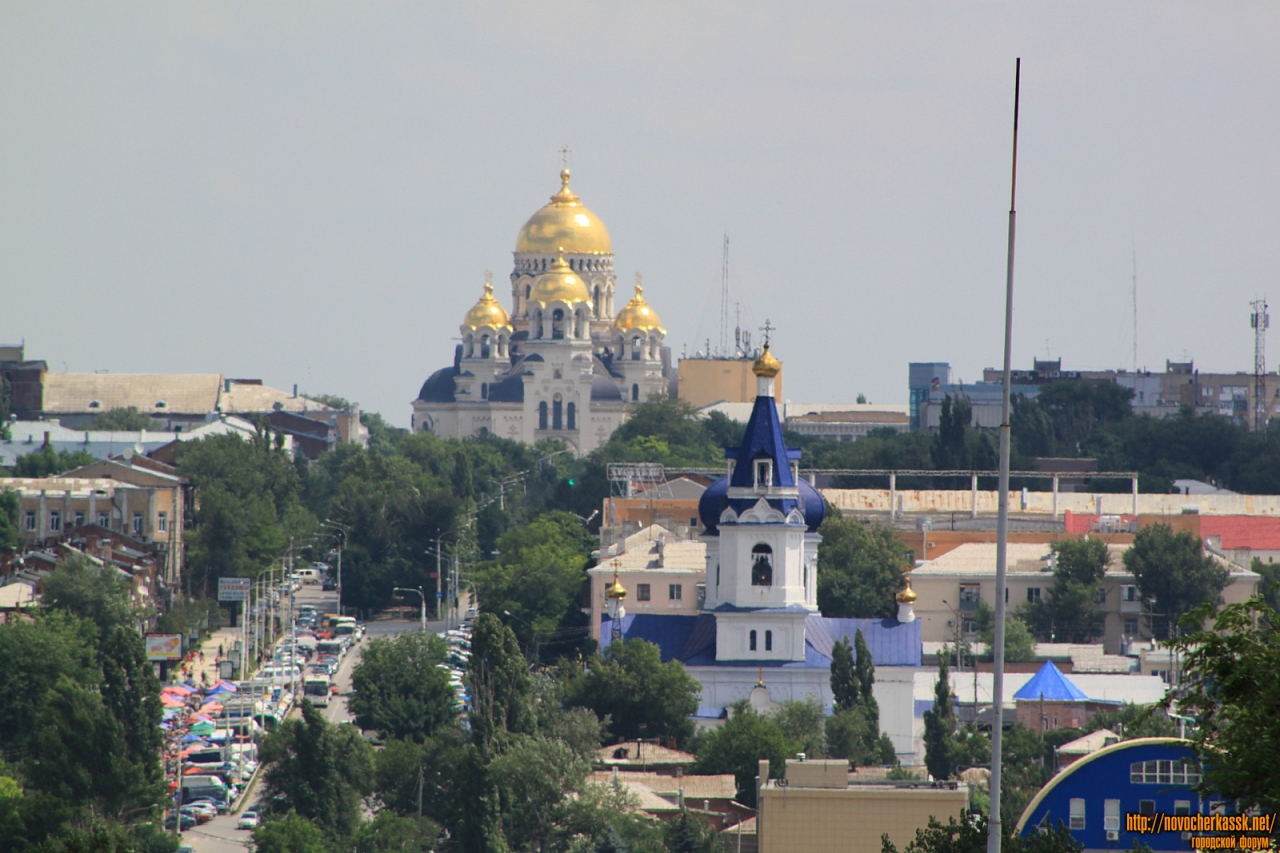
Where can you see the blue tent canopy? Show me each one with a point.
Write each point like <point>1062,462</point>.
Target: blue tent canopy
<point>1049,683</point>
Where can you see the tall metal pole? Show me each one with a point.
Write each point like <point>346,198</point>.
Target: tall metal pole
<point>994,828</point>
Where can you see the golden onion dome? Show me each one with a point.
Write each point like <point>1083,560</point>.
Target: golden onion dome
<point>637,315</point>
<point>616,591</point>
<point>559,284</point>
<point>908,595</point>
<point>766,365</point>
<point>565,225</point>
<point>487,312</point>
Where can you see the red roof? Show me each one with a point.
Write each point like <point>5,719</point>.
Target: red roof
<point>1259,533</point>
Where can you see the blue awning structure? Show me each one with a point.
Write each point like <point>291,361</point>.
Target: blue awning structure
<point>1051,684</point>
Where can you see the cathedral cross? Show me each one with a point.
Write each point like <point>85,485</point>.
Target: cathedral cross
<point>767,328</point>
<point>564,156</point>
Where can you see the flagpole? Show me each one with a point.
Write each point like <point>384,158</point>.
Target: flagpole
<point>1002,523</point>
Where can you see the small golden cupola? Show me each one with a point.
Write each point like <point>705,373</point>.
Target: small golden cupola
<point>908,595</point>
<point>566,225</point>
<point>488,311</point>
<point>636,315</point>
<point>559,284</point>
<point>766,366</point>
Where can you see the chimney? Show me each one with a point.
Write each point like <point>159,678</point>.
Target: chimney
<point>295,390</point>
<point>46,439</point>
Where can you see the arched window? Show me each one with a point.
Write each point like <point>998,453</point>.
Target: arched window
<point>751,641</point>
<point>768,641</point>
<point>556,415</point>
<point>470,346</point>
<point>484,346</point>
<point>595,303</point>
<point>636,349</point>
<point>542,415</point>
<point>762,565</point>
<point>484,390</point>
<point>573,416</point>
<point>557,324</point>
<point>635,393</point>
<point>717,573</point>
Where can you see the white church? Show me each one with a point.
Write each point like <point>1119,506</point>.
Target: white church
<point>561,364</point>
<point>759,635</point>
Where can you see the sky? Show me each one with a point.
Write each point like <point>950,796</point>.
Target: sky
<point>312,192</point>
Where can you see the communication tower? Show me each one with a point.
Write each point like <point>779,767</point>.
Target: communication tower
<point>1259,320</point>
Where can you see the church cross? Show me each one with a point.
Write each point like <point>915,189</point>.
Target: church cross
<point>767,328</point>
<point>564,155</point>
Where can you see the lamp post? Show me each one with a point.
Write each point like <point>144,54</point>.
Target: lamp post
<point>333,525</point>
<point>440,556</point>
<point>423,596</point>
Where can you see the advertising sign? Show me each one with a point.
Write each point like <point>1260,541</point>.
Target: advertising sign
<point>233,589</point>
<point>164,646</point>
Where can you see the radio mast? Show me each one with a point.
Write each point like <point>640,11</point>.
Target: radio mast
<point>1259,320</point>
<point>724,300</point>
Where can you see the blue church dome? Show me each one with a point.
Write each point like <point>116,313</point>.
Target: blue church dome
<point>715,499</point>
<point>815,508</point>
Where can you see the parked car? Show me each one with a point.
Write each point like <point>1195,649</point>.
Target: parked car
<point>248,820</point>
<point>186,821</point>
<point>202,808</point>
<point>329,585</point>
<point>219,805</point>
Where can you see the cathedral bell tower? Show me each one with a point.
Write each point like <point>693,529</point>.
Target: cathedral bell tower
<point>762,539</point>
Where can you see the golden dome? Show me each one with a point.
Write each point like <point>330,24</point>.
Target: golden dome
<point>908,595</point>
<point>566,225</point>
<point>616,591</point>
<point>638,315</point>
<point>766,365</point>
<point>487,312</point>
<point>559,284</point>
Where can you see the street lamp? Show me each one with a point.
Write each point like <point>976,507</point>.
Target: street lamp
<point>333,525</point>
<point>423,596</point>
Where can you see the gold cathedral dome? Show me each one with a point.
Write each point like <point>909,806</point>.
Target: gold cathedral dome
<point>487,312</point>
<point>559,284</point>
<point>908,595</point>
<point>637,315</point>
<point>766,365</point>
<point>565,225</point>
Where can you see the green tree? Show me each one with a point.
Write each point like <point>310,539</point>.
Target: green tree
<point>290,834</point>
<point>9,536</point>
<point>950,445</point>
<point>939,727</point>
<point>123,420</point>
<point>95,593</point>
<point>865,669</point>
<point>859,568</point>
<point>501,687</point>
<point>1077,408</point>
<point>398,688</point>
<point>848,733</point>
<point>35,655</point>
<point>844,678</point>
<point>390,833</point>
<point>47,463</point>
<point>635,688</point>
<point>1173,574</point>
<point>319,771</point>
<point>739,745</point>
<point>1070,611</point>
<point>969,835</point>
<point>536,579</point>
<point>535,777</point>
<point>802,721</point>
<point>478,827</point>
<point>410,776</point>
<point>1019,642</point>
<point>1230,688</point>
<point>690,834</point>
<point>1134,721</point>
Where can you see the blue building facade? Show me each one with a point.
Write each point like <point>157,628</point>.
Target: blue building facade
<point>1093,796</point>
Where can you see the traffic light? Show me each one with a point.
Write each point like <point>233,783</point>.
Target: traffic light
<point>571,481</point>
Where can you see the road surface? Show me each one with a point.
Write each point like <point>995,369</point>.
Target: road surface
<point>220,834</point>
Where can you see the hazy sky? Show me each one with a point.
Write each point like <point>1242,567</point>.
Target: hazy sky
<point>311,192</point>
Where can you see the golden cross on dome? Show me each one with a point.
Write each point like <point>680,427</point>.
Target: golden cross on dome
<point>488,277</point>
<point>639,281</point>
<point>564,155</point>
<point>767,328</point>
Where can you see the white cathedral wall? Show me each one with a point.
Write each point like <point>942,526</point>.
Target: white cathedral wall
<point>894,691</point>
<point>736,544</point>
<point>784,632</point>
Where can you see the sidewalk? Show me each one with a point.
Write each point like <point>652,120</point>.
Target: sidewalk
<point>205,662</point>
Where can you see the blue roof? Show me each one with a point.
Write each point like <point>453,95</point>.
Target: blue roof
<point>763,439</point>
<point>692,639</point>
<point>1049,683</point>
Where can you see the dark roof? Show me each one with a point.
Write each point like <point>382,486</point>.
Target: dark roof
<point>603,388</point>
<point>509,390</point>
<point>439,387</point>
<point>763,440</point>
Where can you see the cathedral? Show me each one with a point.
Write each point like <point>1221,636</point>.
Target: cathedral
<point>561,364</point>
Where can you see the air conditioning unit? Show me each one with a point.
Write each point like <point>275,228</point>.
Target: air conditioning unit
<point>1113,835</point>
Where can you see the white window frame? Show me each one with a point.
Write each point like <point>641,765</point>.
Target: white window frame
<point>675,592</point>
<point>55,521</point>
<point>1077,813</point>
<point>1111,815</point>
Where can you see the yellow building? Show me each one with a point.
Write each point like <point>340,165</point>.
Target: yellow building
<point>704,381</point>
<point>818,810</point>
<point>660,572</point>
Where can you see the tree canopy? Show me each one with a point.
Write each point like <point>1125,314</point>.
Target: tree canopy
<point>398,688</point>
<point>1173,574</point>
<point>641,695</point>
<point>859,568</point>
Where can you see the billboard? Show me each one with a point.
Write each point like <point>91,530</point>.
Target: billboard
<point>164,646</point>
<point>233,589</point>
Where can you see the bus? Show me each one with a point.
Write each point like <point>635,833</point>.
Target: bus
<point>317,690</point>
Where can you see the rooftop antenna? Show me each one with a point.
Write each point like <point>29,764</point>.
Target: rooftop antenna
<point>1259,320</point>
<point>724,300</point>
<point>1002,519</point>
<point>739,348</point>
<point>1135,308</point>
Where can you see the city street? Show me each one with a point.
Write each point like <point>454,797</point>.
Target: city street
<point>220,834</point>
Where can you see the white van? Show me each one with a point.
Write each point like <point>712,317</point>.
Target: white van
<point>309,576</point>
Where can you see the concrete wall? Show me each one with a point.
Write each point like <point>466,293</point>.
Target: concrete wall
<point>962,500</point>
<point>709,380</point>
